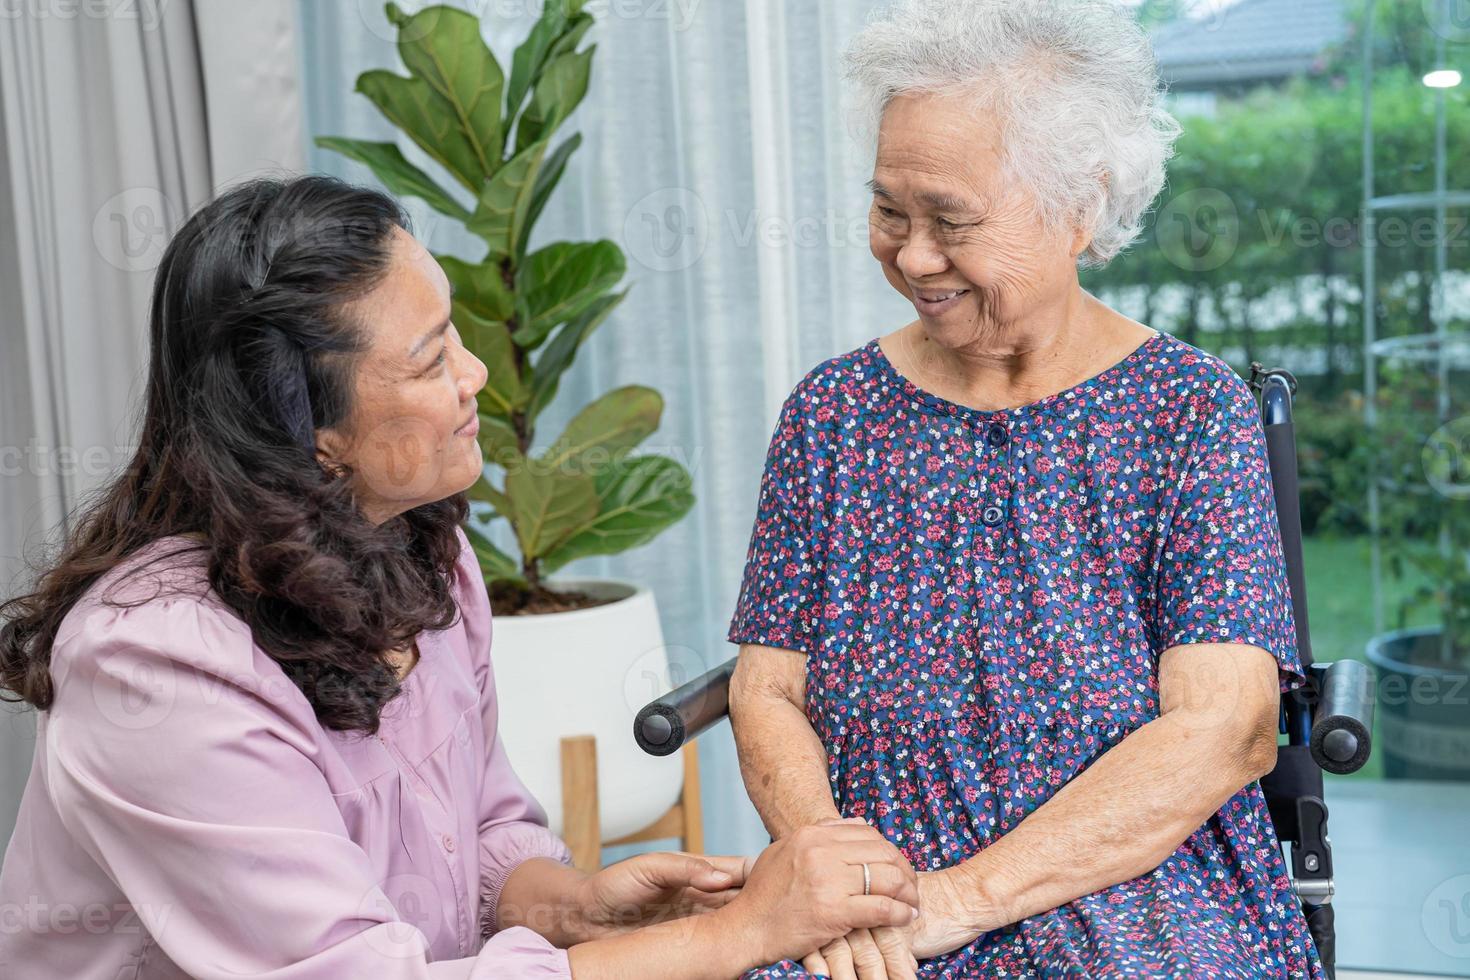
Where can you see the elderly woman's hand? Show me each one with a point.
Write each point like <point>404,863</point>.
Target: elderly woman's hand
<point>945,923</point>
<point>952,907</point>
<point>867,954</point>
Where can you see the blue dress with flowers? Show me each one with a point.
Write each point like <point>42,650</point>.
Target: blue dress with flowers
<point>983,596</point>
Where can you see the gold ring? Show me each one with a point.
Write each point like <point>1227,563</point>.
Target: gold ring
<point>867,881</point>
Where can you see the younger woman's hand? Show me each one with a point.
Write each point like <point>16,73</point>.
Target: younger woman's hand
<point>656,887</point>
<point>806,889</point>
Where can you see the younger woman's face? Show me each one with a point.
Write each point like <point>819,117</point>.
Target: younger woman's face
<point>411,438</point>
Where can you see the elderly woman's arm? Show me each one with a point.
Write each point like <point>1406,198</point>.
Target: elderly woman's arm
<point>776,620</point>
<point>784,766</point>
<point>1117,820</point>
<point>1128,811</point>
<point>782,760</point>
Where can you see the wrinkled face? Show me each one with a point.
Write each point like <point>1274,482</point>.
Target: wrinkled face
<point>954,237</point>
<point>411,437</point>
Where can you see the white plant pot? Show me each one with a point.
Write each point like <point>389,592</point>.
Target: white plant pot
<point>587,672</point>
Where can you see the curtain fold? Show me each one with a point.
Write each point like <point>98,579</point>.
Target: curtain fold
<point>113,129</point>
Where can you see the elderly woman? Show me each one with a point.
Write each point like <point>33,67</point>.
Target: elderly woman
<point>1015,591</point>
<point>267,738</point>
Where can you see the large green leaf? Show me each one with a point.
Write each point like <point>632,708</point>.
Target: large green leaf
<point>560,28</point>
<point>485,490</point>
<point>577,28</point>
<point>501,214</point>
<point>395,172</point>
<point>546,180</point>
<point>444,47</point>
<point>600,434</point>
<point>558,91</point>
<point>547,507</point>
<point>505,391</point>
<point>498,440</point>
<point>557,357</point>
<point>562,280</point>
<point>637,501</point>
<point>479,288</point>
<point>414,107</point>
<point>495,565</point>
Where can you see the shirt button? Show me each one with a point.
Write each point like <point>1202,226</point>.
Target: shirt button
<point>992,515</point>
<point>997,435</point>
<point>448,843</point>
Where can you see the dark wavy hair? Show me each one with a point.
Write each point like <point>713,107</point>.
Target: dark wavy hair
<point>253,347</point>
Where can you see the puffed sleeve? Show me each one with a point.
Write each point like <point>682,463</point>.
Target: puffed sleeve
<point>778,604</point>
<point>182,762</point>
<point>513,825</point>
<point>1221,577</point>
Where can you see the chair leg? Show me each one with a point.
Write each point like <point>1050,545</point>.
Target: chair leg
<point>581,814</point>
<point>693,810</point>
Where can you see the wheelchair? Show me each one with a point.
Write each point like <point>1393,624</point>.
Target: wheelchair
<point>1327,722</point>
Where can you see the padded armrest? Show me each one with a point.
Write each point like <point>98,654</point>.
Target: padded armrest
<point>685,712</point>
<point>1342,724</point>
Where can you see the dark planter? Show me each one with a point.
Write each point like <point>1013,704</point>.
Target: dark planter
<point>1423,707</point>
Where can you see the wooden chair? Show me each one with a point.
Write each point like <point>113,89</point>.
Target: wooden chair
<point>581,821</point>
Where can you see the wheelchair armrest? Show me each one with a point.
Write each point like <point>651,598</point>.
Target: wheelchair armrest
<point>685,712</point>
<point>1342,723</point>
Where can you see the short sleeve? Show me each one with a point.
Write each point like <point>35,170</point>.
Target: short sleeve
<point>184,768</point>
<point>1221,576</point>
<point>778,601</point>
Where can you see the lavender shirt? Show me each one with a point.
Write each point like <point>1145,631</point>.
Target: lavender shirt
<point>187,816</point>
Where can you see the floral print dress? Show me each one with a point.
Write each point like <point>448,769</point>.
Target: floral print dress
<point>983,597</point>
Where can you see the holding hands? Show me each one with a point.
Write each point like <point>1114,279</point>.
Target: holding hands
<point>837,885</point>
<point>892,952</point>
<point>806,889</point>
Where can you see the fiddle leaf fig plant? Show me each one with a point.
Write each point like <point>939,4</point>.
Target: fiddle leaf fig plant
<point>524,313</point>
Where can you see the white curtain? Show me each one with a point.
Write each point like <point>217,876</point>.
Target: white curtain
<point>717,155</point>
<point>112,130</point>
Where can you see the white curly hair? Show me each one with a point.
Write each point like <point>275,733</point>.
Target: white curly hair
<point>1074,85</point>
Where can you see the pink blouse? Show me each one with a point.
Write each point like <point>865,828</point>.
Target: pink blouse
<point>187,816</point>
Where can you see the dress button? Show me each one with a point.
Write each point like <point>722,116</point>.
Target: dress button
<point>448,843</point>
<point>992,515</point>
<point>997,435</point>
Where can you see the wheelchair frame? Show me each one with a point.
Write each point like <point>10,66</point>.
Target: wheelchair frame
<point>1327,722</point>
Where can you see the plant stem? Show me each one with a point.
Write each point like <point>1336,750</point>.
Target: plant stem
<point>519,421</point>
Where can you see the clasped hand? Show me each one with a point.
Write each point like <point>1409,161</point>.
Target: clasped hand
<point>803,893</point>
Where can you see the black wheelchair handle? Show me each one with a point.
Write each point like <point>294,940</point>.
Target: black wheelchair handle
<point>1342,725</point>
<point>1341,741</point>
<point>664,725</point>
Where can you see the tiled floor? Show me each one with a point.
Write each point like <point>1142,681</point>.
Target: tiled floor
<point>1402,856</point>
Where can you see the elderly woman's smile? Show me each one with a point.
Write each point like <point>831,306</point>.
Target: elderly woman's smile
<point>990,273</point>
<point>932,302</point>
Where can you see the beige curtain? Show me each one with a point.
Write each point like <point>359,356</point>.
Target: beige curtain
<point>113,129</point>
